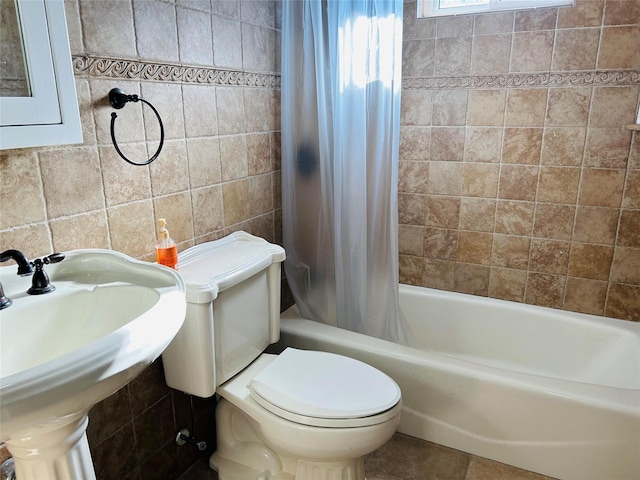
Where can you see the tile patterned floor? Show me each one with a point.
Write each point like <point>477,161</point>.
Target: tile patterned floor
<point>408,458</point>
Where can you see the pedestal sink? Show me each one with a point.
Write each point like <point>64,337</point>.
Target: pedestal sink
<point>109,317</point>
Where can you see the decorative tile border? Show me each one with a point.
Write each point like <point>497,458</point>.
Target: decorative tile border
<point>560,79</point>
<point>140,70</point>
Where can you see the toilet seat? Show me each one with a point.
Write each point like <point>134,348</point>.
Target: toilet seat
<point>324,389</point>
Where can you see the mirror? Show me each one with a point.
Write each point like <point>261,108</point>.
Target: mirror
<point>35,53</point>
<point>13,73</point>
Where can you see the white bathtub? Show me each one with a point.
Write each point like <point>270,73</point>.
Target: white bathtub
<point>545,390</point>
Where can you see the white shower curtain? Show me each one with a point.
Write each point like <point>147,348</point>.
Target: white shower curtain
<point>340,117</point>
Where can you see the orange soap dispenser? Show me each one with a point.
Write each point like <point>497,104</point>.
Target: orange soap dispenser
<point>166,250</point>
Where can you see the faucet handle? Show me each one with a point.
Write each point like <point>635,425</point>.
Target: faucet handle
<point>53,258</point>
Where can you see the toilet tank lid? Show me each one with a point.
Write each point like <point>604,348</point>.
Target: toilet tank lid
<point>213,267</point>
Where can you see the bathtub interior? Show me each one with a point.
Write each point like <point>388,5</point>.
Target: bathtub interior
<point>524,338</point>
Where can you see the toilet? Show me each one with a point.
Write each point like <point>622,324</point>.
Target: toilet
<point>298,415</point>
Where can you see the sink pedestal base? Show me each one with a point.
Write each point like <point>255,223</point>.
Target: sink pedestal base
<point>54,452</point>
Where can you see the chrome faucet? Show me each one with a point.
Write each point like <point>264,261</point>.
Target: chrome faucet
<point>24,268</point>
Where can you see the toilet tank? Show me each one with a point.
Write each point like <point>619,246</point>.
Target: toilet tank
<point>233,311</point>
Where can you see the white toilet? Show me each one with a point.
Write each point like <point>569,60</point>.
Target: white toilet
<point>299,415</point>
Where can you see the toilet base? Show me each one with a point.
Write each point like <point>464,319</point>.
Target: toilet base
<point>242,455</point>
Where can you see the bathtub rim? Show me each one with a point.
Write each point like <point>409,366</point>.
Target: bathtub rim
<point>622,400</point>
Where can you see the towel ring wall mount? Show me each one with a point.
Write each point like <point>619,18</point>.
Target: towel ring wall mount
<point>118,100</point>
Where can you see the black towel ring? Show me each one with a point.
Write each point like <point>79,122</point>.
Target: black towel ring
<point>119,99</point>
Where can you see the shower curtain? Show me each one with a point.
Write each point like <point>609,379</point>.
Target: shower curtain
<point>340,117</point>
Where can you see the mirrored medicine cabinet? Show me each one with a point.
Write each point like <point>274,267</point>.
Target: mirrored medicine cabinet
<point>38,103</point>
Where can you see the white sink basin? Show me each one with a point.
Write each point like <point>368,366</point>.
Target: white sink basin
<point>62,352</point>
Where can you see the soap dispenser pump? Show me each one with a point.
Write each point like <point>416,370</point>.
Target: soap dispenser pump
<point>166,250</point>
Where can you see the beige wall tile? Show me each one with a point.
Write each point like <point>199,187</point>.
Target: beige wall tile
<point>563,146</point>
<point>590,261</point>
<point>480,180</point>
<point>233,157</point>
<point>413,177</point>
<point>203,156</point>
<point>415,143</point>
<point>70,194</point>
<point>170,172</point>
<point>483,144</point>
<point>601,187</point>
<point>626,265</point>
<point>596,225</point>
<point>21,195</point>
<point>522,145</point>
<point>124,182</point>
<point>411,239</point>
<point>455,26</point>
<point>132,228</point>
<point>474,247</point>
<point>531,51</point>
<point>452,56</point>
<point>437,274</point>
<point>629,229</point>
<point>87,230</point>
<point>568,42</point>
<point>607,147</point>
<point>260,194</point>
<point>558,184</point>
<point>526,107</point>
<point>510,251</point>
<point>491,54</point>
<point>619,47</point>
<point>623,302</point>
<point>585,13</point>
<point>416,107</point>
<point>471,279</point>
<point>538,19</point>
<point>258,153</point>
<point>200,113</point>
<point>167,99</point>
<point>486,107</point>
<point>621,12</point>
<point>585,296</point>
<point>549,256</point>
<point>449,107</point>
<point>611,104</point>
<point>554,221</point>
<point>441,211</point>
<point>518,182</point>
<point>259,48</point>
<point>414,27</point>
<point>439,243</point>
<point>477,214</point>
<point>195,38</point>
<point>631,197</point>
<point>507,284</point>
<point>411,208</point>
<point>176,210</point>
<point>418,57</point>
<point>116,37</point>
<point>208,210</point>
<point>545,290</point>
<point>156,35</point>
<point>411,269</point>
<point>447,144</point>
<point>445,178</point>
<point>230,107</point>
<point>568,107</point>
<point>514,217</point>
<point>33,240</point>
<point>227,50</point>
<point>491,23</point>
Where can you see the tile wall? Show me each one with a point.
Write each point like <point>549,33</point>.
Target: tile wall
<point>518,178</point>
<point>211,68</point>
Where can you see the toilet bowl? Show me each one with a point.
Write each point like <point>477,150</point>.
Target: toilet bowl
<point>299,415</point>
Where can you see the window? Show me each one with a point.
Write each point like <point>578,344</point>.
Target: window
<point>439,8</point>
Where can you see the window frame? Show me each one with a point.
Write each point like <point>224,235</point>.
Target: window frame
<point>431,8</point>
